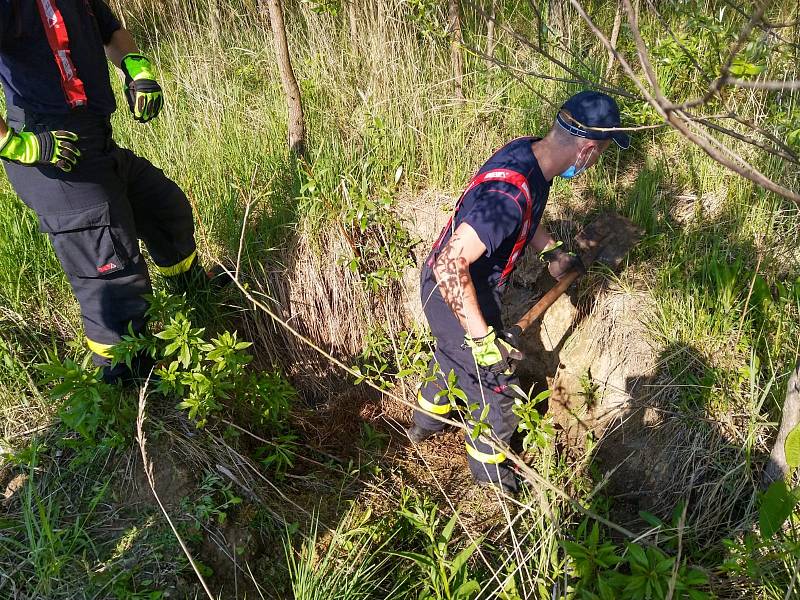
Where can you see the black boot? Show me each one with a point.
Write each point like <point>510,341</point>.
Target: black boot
<point>419,434</point>
<point>133,376</point>
<point>507,481</point>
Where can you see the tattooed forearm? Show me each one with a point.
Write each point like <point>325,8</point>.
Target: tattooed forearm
<point>455,284</point>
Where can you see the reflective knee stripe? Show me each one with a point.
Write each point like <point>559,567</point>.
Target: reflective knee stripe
<point>179,268</point>
<point>489,459</point>
<point>103,350</point>
<point>430,407</point>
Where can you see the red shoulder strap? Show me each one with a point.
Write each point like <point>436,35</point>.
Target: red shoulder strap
<point>519,181</point>
<point>58,39</point>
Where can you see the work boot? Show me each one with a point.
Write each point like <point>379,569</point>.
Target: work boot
<point>218,278</point>
<point>507,482</point>
<point>419,434</point>
<point>136,375</point>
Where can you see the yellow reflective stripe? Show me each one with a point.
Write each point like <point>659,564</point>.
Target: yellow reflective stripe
<point>103,350</point>
<point>436,409</point>
<point>489,459</point>
<point>179,268</point>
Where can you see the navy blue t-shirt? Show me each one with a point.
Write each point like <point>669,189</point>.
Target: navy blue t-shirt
<point>52,58</point>
<point>495,210</point>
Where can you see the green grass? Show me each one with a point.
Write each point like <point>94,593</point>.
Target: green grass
<point>719,262</point>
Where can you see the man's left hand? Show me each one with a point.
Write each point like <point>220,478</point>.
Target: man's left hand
<point>145,97</point>
<point>493,352</point>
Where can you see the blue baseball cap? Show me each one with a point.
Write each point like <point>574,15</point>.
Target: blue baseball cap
<point>589,114</point>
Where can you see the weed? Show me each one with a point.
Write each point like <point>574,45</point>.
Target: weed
<point>589,389</point>
<point>372,440</point>
<point>385,360</point>
<point>538,429</point>
<point>204,371</point>
<point>280,455</point>
<point>445,576</point>
<point>606,571</point>
<point>214,501</point>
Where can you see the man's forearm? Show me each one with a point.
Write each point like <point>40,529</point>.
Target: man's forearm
<point>120,45</point>
<point>455,284</point>
<point>541,239</point>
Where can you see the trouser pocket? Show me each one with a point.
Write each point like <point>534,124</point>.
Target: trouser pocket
<point>83,241</point>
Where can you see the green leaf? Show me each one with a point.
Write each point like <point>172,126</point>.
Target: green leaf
<point>792,447</point>
<point>777,504</point>
<point>467,589</point>
<point>447,532</point>
<point>458,393</point>
<point>741,67</point>
<point>541,396</point>
<point>650,519</point>
<point>576,551</point>
<point>462,557</point>
<point>637,554</point>
<point>420,559</point>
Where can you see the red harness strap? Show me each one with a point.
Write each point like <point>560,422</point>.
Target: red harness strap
<point>519,181</point>
<point>58,38</point>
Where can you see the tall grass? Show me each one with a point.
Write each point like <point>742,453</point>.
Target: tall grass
<point>720,258</point>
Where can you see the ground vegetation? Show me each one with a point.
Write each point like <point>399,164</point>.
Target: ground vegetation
<point>267,459</point>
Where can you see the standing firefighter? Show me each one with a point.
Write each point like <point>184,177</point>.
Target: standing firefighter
<point>496,218</point>
<point>93,198</point>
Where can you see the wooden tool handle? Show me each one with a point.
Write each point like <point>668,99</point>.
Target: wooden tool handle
<point>546,301</point>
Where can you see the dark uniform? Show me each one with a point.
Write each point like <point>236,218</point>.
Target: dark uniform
<point>496,210</point>
<point>55,76</point>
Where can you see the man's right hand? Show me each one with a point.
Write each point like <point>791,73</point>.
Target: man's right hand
<point>54,148</point>
<point>560,262</point>
<point>494,353</point>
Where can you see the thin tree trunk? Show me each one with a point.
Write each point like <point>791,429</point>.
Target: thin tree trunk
<point>297,130</point>
<point>351,16</point>
<point>777,468</point>
<point>490,41</point>
<point>455,51</point>
<point>614,38</point>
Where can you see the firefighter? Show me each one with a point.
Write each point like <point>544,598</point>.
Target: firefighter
<point>496,218</point>
<point>94,199</point>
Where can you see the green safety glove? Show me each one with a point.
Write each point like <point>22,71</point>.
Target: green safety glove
<point>493,352</point>
<point>145,97</point>
<point>54,148</point>
<point>560,262</point>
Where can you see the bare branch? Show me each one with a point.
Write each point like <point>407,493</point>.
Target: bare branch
<point>620,59</point>
<point>678,119</point>
<point>763,25</point>
<point>538,75</point>
<point>747,140</point>
<point>522,40</point>
<point>641,50</point>
<point>791,84</point>
<point>663,23</point>
<point>745,170</point>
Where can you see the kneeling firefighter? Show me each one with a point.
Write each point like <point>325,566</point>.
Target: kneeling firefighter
<point>496,218</point>
<point>93,198</point>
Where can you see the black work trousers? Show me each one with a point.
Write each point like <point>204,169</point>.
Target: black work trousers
<point>95,217</point>
<point>482,387</point>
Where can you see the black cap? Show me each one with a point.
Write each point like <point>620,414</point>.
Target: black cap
<point>589,114</point>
